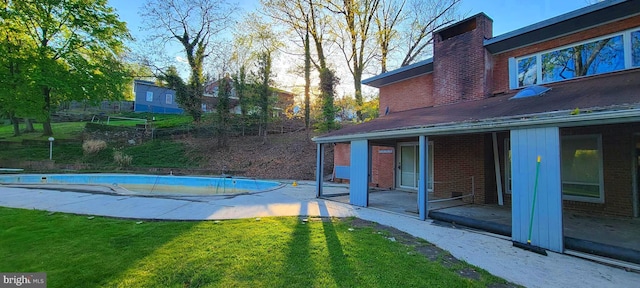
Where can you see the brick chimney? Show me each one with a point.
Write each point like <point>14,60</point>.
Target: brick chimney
<point>462,67</point>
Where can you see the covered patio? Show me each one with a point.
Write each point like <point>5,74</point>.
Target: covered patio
<point>588,175</point>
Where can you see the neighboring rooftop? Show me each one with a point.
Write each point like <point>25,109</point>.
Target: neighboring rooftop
<point>567,103</point>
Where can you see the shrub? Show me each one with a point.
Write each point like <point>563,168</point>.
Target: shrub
<point>93,146</point>
<point>123,160</point>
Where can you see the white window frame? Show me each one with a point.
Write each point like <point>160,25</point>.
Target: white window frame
<point>600,199</point>
<point>149,96</point>
<point>430,160</point>
<point>627,50</point>
<point>169,99</point>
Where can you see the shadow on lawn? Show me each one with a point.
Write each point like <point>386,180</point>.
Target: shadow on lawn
<point>77,251</point>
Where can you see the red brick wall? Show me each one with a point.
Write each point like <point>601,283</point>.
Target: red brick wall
<point>408,94</point>
<point>383,167</point>
<point>457,158</point>
<point>501,61</point>
<point>617,154</point>
<point>462,68</point>
<point>341,157</point>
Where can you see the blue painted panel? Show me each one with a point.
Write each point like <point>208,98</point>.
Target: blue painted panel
<point>424,178</point>
<point>359,182</point>
<point>343,172</point>
<point>526,146</point>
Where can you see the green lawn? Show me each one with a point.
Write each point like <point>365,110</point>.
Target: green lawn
<point>76,251</point>
<point>64,130</point>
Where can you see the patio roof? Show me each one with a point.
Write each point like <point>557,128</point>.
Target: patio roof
<point>604,99</point>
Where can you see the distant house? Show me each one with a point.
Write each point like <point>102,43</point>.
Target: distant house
<point>152,98</point>
<point>283,99</point>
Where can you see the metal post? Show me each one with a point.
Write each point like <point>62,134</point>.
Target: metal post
<point>51,147</point>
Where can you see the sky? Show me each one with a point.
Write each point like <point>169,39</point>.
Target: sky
<point>507,15</point>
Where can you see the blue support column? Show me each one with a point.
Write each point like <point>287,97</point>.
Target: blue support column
<point>423,196</point>
<point>546,225</point>
<point>359,182</point>
<point>319,168</point>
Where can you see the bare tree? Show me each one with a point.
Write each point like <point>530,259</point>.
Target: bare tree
<point>194,24</point>
<point>308,16</point>
<point>390,15</point>
<point>358,18</point>
<point>425,17</point>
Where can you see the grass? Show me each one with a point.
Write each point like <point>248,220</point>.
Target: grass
<point>75,251</point>
<point>64,130</point>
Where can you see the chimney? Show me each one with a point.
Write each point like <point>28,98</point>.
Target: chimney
<point>462,67</point>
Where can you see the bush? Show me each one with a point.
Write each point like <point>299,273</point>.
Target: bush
<point>93,146</point>
<point>123,160</point>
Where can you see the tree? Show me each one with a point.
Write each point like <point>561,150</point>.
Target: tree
<point>76,47</point>
<point>264,91</point>
<point>307,79</point>
<point>194,24</point>
<point>222,108</point>
<point>390,15</point>
<point>307,16</point>
<point>424,18</point>
<point>358,19</point>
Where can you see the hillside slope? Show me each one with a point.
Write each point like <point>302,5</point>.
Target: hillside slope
<point>284,156</point>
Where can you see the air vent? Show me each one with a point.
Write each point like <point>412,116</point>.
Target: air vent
<point>531,91</point>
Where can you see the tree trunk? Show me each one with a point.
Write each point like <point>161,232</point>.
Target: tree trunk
<point>28,125</point>
<point>307,80</point>
<point>16,124</point>
<point>46,125</point>
<point>357,82</point>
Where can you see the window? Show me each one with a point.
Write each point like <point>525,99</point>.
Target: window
<point>635,48</point>
<point>149,96</point>
<point>592,57</point>
<point>527,71</point>
<point>581,168</point>
<point>169,99</point>
<point>204,107</point>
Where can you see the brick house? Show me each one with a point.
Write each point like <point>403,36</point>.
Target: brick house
<point>566,90</point>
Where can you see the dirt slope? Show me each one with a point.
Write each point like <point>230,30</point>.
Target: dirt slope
<point>284,156</point>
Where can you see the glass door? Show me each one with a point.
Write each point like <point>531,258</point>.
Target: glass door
<point>409,166</point>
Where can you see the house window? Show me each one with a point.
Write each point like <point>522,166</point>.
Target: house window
<point>635,48</point>
<point>581,168</point>
<point>592,57</point>
<point>527,71</point>
<point>204,107</point>
<point>149,96</point>
<point>169,99</point>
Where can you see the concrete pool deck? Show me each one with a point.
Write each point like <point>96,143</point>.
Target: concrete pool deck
<point>490,252</point>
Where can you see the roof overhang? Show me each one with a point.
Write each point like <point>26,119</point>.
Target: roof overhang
<point>401,74</point>
<point>552,119</point>
<point>578,20</point>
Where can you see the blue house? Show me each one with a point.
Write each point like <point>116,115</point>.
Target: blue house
<point>155,99</point>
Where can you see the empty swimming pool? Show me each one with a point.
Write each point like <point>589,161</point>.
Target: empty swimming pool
<point>146,184</point>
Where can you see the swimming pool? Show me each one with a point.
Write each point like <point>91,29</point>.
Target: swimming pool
<point>147,184</point>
